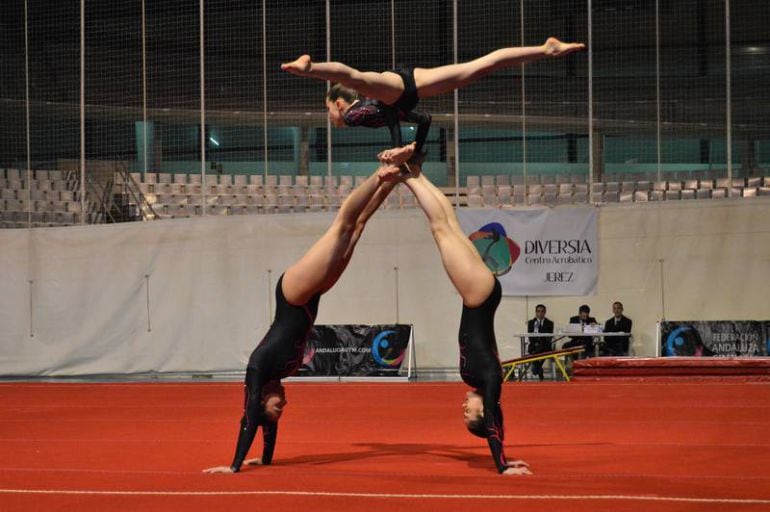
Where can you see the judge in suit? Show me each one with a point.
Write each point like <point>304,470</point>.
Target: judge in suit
<point>539,324</point>
<point>617,345</point>
<point>583,318</point>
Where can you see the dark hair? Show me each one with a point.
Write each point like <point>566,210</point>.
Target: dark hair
<point>618,303</point>
<point>585,308</point>
<point>477,428</point>
<point>340,91</point>
<point>539,306</point>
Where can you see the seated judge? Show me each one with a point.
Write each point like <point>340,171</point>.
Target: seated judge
<point>540,324</point>
<point>617,345</point>
<point>583,319</point>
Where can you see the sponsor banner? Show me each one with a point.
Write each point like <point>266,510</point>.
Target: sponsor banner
<point>767,337</point>
<point>715,338</point>
<point>537,251</point>
<point>355,350</point>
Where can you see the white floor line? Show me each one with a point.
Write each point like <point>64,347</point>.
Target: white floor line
<point>511,497</point>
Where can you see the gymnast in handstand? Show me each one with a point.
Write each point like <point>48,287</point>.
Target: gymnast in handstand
<point>373,99</point>
<point>297,293</point>
<point>480,291</point>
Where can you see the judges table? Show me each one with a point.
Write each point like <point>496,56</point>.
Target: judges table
<point>558,336</point>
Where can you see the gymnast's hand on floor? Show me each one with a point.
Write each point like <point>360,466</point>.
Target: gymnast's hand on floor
<point>517,471</point>
<point>256,461</point>
<point>517,467</point>
<point>397,156</point>
<point>219,469</point>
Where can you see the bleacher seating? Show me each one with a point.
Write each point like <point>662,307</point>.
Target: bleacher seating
<point>40,198</point>
<point>51,197</point>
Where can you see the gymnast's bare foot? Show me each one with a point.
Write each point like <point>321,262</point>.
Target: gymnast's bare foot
<point>397,156</point>
<point>300,67</point>
<point>555,48</point>
<point>388,172</point>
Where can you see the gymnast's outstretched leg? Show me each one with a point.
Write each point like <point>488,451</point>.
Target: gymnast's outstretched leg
<point>445,79</point>
<point>464,266</point>
<point>323,264</point>
<point>388,86</point>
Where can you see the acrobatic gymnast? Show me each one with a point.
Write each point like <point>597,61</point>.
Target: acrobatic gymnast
<point>297,293</point>
<point>480,291</point>
<point>373,99</point>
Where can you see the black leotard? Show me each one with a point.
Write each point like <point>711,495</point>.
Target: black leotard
<point>480,367</point>
<point>409,98</point>
<point>375,114</point>
<point>278,355</point>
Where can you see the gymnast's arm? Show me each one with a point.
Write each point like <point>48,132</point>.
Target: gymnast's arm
<point>269,436</point>
<point>253,417</point>
<point>493,420</point>
<point>394,126</point>
<point>422,120</point>
<point>493,423</point>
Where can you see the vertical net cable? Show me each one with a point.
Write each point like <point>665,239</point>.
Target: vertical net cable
<point>749,74</point>
<point>693,89</point>
<point>234,87</point>
<point>424,32</point>
<point>361,36</point>
<point>295,105</point>
<point>625,97</point>
<point>173,90</point>
<point>556,90</point>
<point>54,101</point>
<point>490,129</point>
<point>14,109</point>
<point>113,97</point>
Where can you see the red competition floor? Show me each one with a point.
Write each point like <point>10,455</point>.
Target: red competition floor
<point>593,446</point>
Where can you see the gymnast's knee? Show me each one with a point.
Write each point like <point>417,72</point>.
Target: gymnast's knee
<point>439,227</point>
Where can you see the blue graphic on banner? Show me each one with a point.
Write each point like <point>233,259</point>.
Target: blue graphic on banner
<point>381,343</point>
<point>355,350</point>
<point>715,338</point>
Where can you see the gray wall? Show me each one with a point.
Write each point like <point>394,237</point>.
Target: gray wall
<point>75,300</point>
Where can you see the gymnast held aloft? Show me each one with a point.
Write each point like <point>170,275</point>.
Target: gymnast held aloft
<point>298,292</point>
<point>480,291</point>
<point>373,99</point>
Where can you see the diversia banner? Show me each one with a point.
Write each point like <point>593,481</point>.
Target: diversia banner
<point>537,251</point>
<point>355,350</point>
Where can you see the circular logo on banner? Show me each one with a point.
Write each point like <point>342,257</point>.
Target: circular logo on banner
<point>497,250</point>
<point>686,341</point>
<point>381,343</point>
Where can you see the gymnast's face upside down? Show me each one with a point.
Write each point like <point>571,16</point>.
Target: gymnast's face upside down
<point>274,398</point>
<point>336,110</point>
<point>473,408</point>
